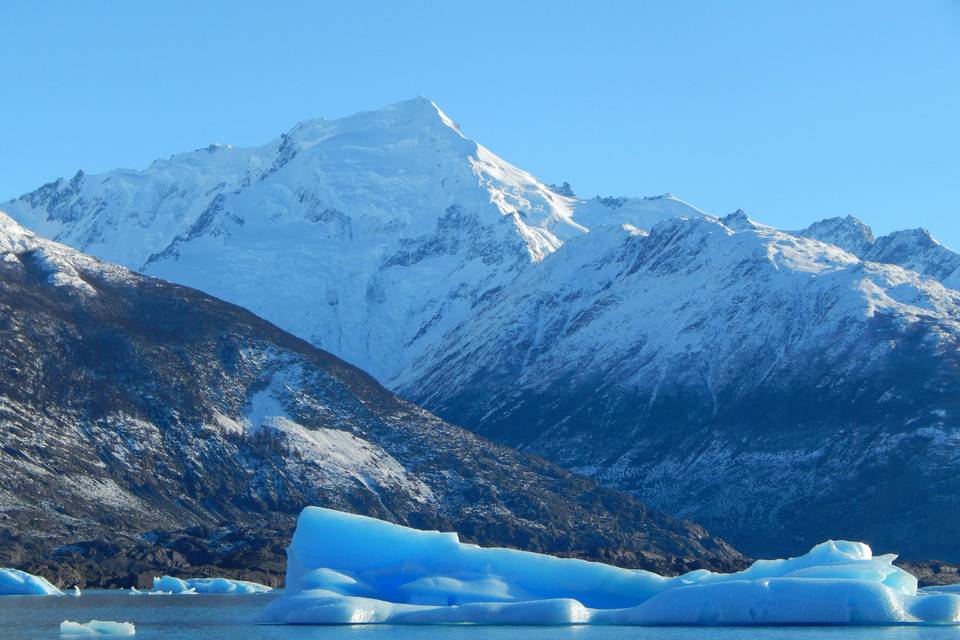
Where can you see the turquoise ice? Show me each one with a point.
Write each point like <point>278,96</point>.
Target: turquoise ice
<point>169,584</point>
<point>20,583</point>
<point>350,569</point>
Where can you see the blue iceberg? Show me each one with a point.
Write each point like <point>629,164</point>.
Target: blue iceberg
<point>14,582</point>
<point>171,585</point>
<point>97,628</point>
<point>349,569</point>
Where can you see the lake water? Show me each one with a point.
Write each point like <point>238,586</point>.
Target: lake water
<point>212,617</point>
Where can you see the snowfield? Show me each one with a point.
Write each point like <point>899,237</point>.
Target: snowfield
<point>349,569</point>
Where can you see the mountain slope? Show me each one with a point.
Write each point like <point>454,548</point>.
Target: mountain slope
<point>776,388</point>
<point>129,404</point>
<point>760,380</point>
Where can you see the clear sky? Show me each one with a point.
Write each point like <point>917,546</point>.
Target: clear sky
<point>793,111</point>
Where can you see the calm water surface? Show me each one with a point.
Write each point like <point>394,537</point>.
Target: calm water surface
<point>211,617</point>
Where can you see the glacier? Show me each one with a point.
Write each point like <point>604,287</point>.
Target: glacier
<point>172,585</point>
<point>14,582</point>
<point>349,569</point>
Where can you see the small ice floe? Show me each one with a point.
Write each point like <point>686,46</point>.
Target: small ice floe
<point>76,591</point>
<point>14,582</point>
<point>168,584</point>
<point>96,628</point>
<point>942,588</point>
<point>135,592</point>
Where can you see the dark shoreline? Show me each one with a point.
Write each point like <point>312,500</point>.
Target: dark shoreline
<point>237,552</point>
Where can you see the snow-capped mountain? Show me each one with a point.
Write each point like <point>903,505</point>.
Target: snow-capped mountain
<point>777,388</point>
<point>128,404</point>
<point>782,387</point>
<point>370,236</point>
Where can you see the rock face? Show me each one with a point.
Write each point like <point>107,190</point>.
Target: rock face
<point>782,388</point>
<point>129,405</point>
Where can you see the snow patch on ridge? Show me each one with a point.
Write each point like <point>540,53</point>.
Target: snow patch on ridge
<point>334,454</point>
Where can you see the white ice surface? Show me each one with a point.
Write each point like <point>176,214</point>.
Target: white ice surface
<point>349,569</point>
<point>20,583</point>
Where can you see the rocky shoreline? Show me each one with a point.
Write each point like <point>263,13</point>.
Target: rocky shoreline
<point>238,552</point>
<point>244,552</point>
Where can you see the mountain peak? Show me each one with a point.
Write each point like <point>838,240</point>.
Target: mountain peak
<point>848,233</point>
<point>426,108</point>
<point>738,221</point>
<point>419,103</point>
<point>919,235</point>
<point>415,107</point>
<point>416,113</point>
<point>918,250</point>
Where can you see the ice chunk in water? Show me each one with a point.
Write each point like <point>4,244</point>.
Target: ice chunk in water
<point>349,569</point>
<point>96,628</point>
<point>171,585</point>
<point>20,583</point>
<point>942,588</point>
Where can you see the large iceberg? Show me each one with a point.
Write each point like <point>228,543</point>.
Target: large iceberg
<point>171,585</point>
<point>349,569</point>
<point>14,582</point>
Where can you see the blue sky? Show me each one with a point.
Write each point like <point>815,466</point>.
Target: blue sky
<point>793,111</point>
